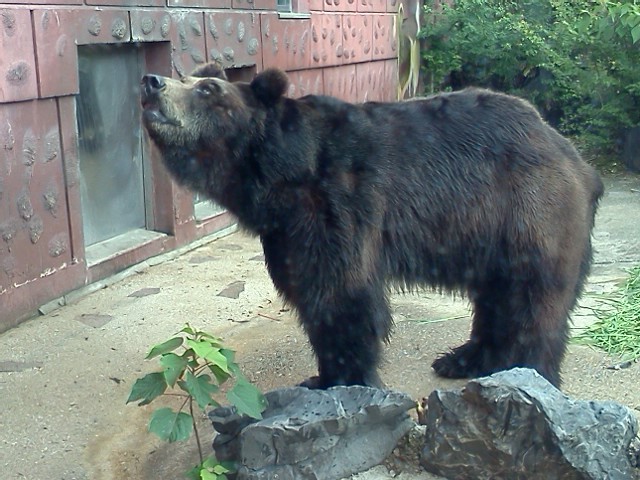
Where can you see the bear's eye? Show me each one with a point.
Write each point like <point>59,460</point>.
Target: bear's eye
<point>207,88</point>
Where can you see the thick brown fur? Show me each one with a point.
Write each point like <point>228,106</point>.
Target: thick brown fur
<point>468,191</point>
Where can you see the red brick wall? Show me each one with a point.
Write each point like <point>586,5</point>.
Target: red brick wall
<point>344,48</point>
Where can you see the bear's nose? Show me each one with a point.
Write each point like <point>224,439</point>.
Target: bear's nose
<point>152,84</point>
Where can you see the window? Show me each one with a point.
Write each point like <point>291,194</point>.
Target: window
<point>110,141</point>
<point>283,6</point>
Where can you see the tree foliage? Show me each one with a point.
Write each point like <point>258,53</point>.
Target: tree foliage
<point>578,61</point>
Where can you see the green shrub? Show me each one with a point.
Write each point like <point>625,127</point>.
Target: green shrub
<point>578,61</point>
<point>194,364</point>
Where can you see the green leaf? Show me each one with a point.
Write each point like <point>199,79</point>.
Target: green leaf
<point>211,469</point>
<point>188,330</point>
<point>165,347</point>
<point>194,473</point>
<point>232,367</point>
<point>200,388</point>
<point>191,356</point>
<point>217,341</point>
<point>147,388</point>
<point>206,350</point>
<point>220,469</point>
<point>635,33</point>
<point>229,354</point>
<point>207,475</point>
<point>221,375</point>
<point>247,398</point>
<point>209,463</point>
<point>174,366</point>
<point>171,426</point>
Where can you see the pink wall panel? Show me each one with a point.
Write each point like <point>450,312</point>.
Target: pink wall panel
<point>326,39</point>
<point>371,82</point>
<point>188,39</point>
<point>254,4</point>
<point>233,38</point>
<point>286,42</point>
<point>71,165</point>
<point>57,54</point>
<point>42,2</point>
<point>340,5</point>
<point>200,3</point>
<point>390,81</point>
<point>357,34</point>
<point>18,77</point>
<point>82,26</point>
<point>384,39</point>
<point>305,82</point>
<point>150,25</point>
<point>341,82</point>
<point>33,219</point>
<point>372,5</point>
<point>97,26</point>
<point>126,3</point>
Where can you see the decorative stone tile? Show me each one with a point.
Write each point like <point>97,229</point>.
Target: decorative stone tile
<point>371,82</point>
<point>18,80</point>
<point>340,5</point>
<point>305,82</point>
<point>372,5</point>
<point>33,207</point>
<point>341,82</point>
<point>233,38</point>
<point>188,41</point>
<point>357,34</point>
<point>326,39</point>
<point>199,3</point>
<point>384,39</point>
<point>57,54</point>
<point>150,25</point>
<point>286,43</point>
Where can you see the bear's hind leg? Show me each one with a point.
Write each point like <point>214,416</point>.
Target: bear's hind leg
<point>480,354</point>
<point>515,324</point>
<point>346,334</point>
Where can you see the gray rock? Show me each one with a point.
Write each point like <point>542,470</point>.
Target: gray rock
<point>313,434</point>
<point>516,425</point>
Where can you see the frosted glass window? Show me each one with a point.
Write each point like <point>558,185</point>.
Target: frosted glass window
<point>110,141</point>
<point>283,5</point>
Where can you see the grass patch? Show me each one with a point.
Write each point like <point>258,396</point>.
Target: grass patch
<point>617,329</point>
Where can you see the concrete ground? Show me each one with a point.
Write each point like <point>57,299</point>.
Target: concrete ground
<point>65,376</point>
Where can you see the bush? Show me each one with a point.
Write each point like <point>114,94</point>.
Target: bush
<point>194,365</point>
<point>578,61</point>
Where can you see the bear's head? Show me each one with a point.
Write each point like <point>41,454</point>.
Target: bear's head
<point>204,104</point>
<point>202,122</point>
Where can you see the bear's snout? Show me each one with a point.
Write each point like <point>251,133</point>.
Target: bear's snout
<point>151,85</point>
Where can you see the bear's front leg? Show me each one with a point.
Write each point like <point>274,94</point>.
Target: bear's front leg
<point>346,331</point>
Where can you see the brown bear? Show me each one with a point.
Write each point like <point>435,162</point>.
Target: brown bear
<point>468,191</point>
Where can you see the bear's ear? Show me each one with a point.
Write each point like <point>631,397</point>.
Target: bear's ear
<point>270,85</point>
<point>209,70</point>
